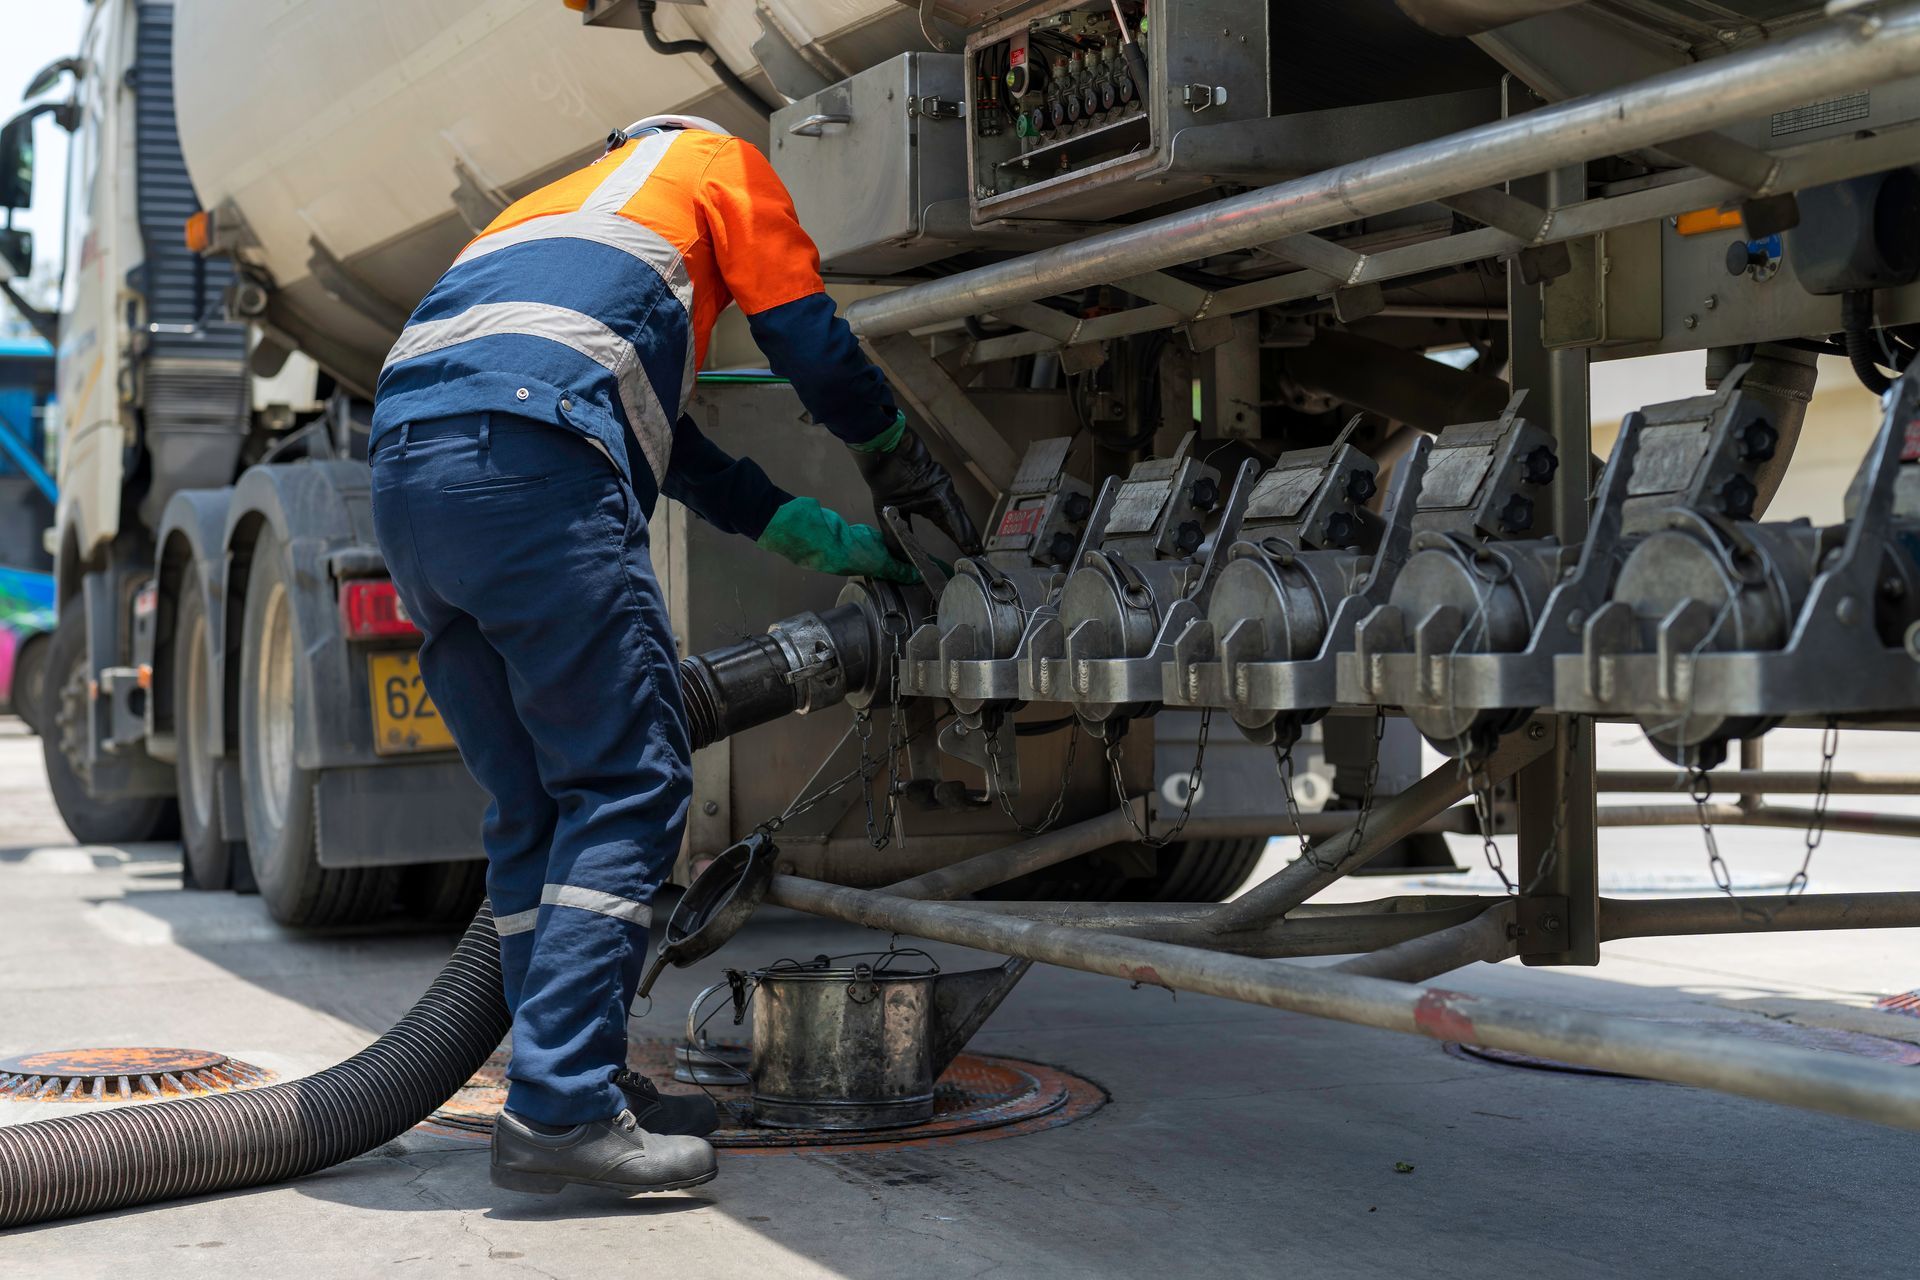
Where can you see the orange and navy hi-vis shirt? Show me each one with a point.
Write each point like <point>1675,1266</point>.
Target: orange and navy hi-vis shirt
<point>589,304</point>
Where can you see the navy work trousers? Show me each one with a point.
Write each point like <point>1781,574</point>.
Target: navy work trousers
<point>522,555</point>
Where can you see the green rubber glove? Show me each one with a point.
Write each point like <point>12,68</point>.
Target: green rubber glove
<point>813,537</point>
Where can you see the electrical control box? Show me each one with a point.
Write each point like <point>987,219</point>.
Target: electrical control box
<point>894,135</point>
<point>1098,109</point>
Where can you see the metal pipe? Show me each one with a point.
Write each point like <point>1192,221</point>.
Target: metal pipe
<point>1841,57</point>
<point>1487,937</point>
<point>1391,821</point>
<point>1852,821</point>
<point>1753,782</point>
<point>1125,915</point>
<point>1312,930</point>
<point>1035,853</point>
<point>1676,917</point>
<point>1836,1083</point>
<point>1670,815</point>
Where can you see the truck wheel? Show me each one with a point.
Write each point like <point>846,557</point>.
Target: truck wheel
<point>276,793</point>
<point>208,857</point>
<point>63,741</point>
<point>443,893</point>
<point>30,681</point>
<point>1202,870</point>
<point>1188,871</point>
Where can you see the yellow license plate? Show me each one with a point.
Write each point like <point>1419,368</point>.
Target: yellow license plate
<point>404,717</point>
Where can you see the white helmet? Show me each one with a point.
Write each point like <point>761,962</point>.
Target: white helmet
<point>638,127</point>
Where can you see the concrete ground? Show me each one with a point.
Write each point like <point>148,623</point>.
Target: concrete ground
<point>1238,1141</point>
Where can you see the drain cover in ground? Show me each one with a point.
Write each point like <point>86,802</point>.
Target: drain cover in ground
<point>124,1075</point>
<point>978,1099</point>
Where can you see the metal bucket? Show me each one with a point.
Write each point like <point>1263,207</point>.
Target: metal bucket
<point>842,1048</point>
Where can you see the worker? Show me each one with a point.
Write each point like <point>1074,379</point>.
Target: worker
<point>526,422</point>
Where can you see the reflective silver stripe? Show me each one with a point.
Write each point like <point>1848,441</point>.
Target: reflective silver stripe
<point>570,328</point>
<point>606,904</point>
<point>624,183</point>
<point>518,922</point>
<point>614,230</point>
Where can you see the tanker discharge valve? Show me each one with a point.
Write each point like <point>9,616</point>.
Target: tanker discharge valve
<point>1471,631</point>
<point>1160,546</point>
<point>969,654</point>
<point>1718,628</point>
<point>1309,561</point>
<point>1476,583</point>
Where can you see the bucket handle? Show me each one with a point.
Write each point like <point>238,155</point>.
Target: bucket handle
<point>863,974</point>
<point>735,981</point>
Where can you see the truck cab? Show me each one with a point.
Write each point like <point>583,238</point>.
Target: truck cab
<point>226,634</point>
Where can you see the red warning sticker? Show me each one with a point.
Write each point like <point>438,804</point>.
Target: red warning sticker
<point>1021,522</point>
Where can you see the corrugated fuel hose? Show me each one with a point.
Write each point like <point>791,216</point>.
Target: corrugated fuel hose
<point>136,1154</point>
<point>140,1153</point>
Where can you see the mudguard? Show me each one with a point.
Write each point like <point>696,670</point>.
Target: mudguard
<point>192,534</point>
<point>322,513</point>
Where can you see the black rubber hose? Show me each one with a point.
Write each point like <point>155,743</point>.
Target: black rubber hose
<point>221,1142</point>
<point>702,50</point>
<point>1856,320</point>
<point>224,1141</point>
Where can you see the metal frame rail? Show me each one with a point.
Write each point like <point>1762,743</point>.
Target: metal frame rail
<point>1230,950</point>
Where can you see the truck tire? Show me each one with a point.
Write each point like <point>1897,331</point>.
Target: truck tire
<point>30,681</point>
<point>63,742</point>
<point>276,793</point>
<point>443,894</point>
<point>1202,870</point>
<point>207,856</point>
<point>1188,871</point>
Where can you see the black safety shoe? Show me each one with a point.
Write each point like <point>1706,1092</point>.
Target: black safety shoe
<point>657,1112</point>
<point>616,1154</point>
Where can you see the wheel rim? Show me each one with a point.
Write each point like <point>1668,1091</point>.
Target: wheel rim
<point>70,721</point>
<point>273,707</point>
<point>195,722</point>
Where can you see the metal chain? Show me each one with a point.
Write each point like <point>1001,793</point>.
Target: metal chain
<point>1481,786</point>
<point>1059,804</point>
<point>858,773</point>
<point>897,739</point>
<point>1284,766</point>
<point>1550,857</point>
<point>1366,792</point>
<point>1700,790</point>
<point>1194,780</point>
<point>1823,792</point>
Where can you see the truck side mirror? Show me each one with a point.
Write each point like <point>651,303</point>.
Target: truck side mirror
<point>16,164</point>
<point>16,249</point>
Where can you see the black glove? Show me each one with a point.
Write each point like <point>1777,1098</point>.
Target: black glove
<point>907,478</point>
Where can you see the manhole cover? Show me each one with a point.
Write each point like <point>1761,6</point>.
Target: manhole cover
<point>1856,1043</point>
<point>124,1075</point>
<point>978,1099</point>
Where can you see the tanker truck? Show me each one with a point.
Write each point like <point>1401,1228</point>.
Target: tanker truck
<point>257,198</point>
<point>1261,334</point>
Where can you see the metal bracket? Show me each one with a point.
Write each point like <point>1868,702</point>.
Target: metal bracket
<point>1199,97</point>
<point>933,108</point>
<point>1541,927</point>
